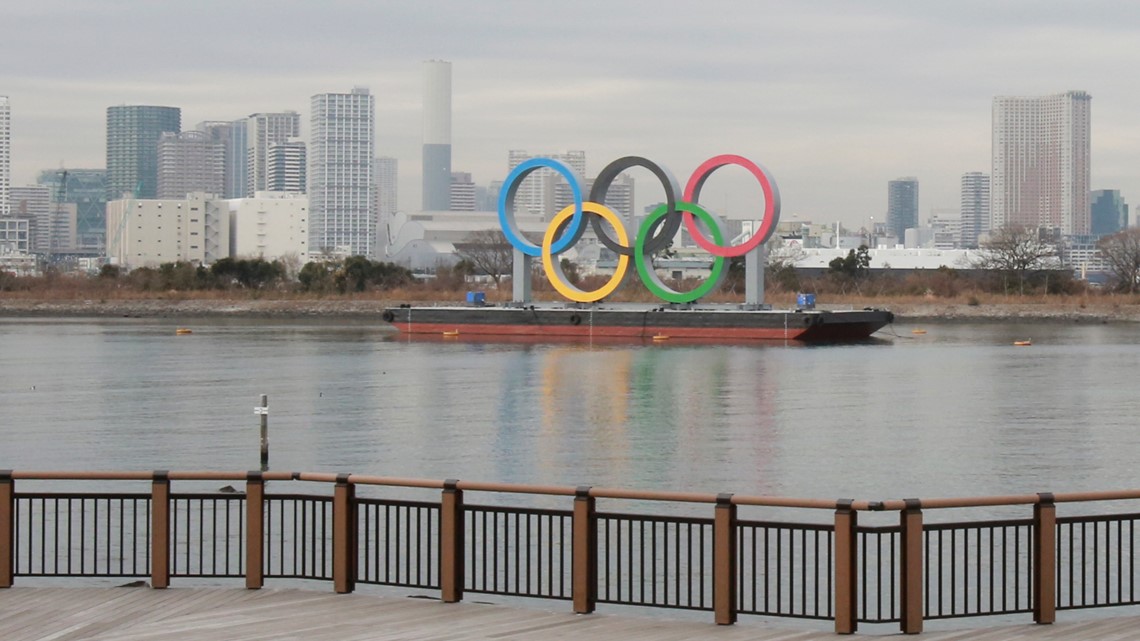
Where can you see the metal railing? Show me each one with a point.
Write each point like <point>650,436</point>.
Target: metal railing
<point>840,569</point>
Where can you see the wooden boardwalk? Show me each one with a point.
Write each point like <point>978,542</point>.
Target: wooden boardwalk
<point>235,614</point>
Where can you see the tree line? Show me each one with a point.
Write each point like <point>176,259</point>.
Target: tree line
<point>352,274</point>
<point>1014,260</point>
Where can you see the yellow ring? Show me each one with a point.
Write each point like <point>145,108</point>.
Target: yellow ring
<point>553,274</point>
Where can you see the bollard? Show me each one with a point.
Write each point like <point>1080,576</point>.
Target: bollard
<point>263,411</point>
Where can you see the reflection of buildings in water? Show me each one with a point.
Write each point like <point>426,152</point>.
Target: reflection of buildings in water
<point>584,399</point>
<point>516,407</point>
<point>761,388</point>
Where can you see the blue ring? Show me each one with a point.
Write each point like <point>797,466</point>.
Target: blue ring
<point>507,206</point>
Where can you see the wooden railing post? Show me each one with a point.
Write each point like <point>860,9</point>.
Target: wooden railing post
<point>451,542</point>
<point>1044,559</point>
<point>160,530</point>
<point>846,568</point>
<point>585,551</point>
<point>7,529</point>
<point>344,535</point>
<point>724,560</point>
<point>910,573</point>
<point>254,530</point>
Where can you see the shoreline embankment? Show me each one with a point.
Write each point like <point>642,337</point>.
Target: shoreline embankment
<point>905,312</point>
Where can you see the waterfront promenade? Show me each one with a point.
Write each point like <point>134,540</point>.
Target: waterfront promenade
<point>235,614</point>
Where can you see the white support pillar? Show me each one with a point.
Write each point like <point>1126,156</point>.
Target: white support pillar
<point>754,277</point>
<point>520,278</point>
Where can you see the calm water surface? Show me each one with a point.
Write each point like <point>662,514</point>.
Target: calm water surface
<point>957,411</point>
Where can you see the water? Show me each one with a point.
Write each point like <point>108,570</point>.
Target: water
<point>958,411</point>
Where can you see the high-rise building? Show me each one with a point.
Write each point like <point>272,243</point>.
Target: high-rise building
<point>536,193</point>
<point>232,136</point>
<point>619,196</point>
<point>86,189</point>
<point>437,136</point>
<point>1041,162</point>
<point>262,131</point>
<point>1109,212</point>
<point>285,168</point>
<point>902,206</point>
<point>132,147</point>
<point>975,209</point>
<point>33,203</point>
<point>341,179</point>
<point>5,154</point>
<point>387,175</point>
<point>462,192</point>
<point>190,162</point>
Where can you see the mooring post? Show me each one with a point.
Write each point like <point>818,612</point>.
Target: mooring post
<point>1045,559</point>
<point>160,530</point>
<point>846,568</point>
<point>911,571</point>
<point>344,535</point>
<point>7,528</point>
<point>584,558</point>
<point>724,560</point>
<point>451,544</point>
<point>255,533</point>
<point>263,411</point>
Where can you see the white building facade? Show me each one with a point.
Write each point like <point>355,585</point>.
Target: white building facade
<point>147,233</point>
<point>270,226</point>
<point>341,178</point>
<point>1041,162</point>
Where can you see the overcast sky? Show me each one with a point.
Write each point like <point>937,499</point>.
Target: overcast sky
<point>834,97</point>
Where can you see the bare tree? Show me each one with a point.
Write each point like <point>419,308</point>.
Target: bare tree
<point>488,252</point>
<point>1015,251</point>
<point>1122,253</point>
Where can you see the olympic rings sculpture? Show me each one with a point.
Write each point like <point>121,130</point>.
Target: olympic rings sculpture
<point>654,234</point>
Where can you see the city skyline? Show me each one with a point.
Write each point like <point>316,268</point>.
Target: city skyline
<point>817,92</point>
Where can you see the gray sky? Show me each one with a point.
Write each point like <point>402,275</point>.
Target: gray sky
<point>834,97</point>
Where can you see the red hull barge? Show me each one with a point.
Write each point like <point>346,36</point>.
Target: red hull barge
<point>632,322</point>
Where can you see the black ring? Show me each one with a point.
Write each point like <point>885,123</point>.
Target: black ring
<point>575,319</point>
<point>667,225</point>
<point>388,316</point>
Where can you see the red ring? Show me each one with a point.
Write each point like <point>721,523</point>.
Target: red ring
<point>771,205</point>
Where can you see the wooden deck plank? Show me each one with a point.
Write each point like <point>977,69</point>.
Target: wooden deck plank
<point>236,614</point>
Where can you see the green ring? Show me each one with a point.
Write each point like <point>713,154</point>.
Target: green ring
<point>649,277</point>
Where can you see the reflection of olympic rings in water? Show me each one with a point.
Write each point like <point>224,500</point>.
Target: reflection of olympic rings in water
<point>655,233</point>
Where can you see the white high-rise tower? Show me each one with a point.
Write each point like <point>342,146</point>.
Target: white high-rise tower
<point>5,154</point>
<point>342,183</point>
<point>975,211</point>
<point>437,136</point>
<point>1041,162</point>
<point>263,130</point>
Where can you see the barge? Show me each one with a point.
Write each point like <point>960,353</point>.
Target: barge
<point>703,322</point>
